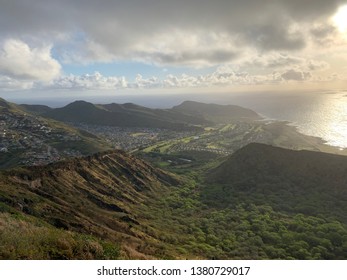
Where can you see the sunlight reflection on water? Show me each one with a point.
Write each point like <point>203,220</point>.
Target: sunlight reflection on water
<point>325,117</point>
<point>318,114</point>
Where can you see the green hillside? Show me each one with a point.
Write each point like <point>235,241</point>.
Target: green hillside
<point>219,198</point>
<point>304,182</point>
<point>118,206</point>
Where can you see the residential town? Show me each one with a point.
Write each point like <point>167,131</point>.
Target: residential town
<point>222,140</point>
<point>30,139</point>
<point>133,138</point>
<point>35,141</point>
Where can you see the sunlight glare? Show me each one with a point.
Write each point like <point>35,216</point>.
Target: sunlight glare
<point>340,19</point>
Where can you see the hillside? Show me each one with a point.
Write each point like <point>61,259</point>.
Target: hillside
<point>95,196</point>
<point>216,113</point>
<point>232,200</point>
<point>4,103</point>
<point>29,139</point>
<point>182,117</point>
<point>115,206</point>
<point>35,109</point>
<point>123,115</point>
<point>261,202</point>
<point>293,181</point>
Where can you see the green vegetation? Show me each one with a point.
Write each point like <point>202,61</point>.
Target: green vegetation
<point>24,237</point>
<point>113,205</point>
<point>246,231</point>
<point>250,209</point>
<point>259,203</point>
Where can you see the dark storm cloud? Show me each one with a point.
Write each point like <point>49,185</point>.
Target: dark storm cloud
<point>123,29</point>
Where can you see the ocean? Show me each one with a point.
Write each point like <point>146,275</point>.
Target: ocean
<point>321,114</point>
<point>316,113</point>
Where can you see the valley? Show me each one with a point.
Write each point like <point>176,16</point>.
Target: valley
<point>203,181</point>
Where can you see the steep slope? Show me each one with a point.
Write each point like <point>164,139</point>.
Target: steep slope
<point>294,181</point>
<point>126,115</point>
<point>96,195</point>
<point>216,113</point>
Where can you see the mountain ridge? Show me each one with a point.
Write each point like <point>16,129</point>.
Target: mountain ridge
<point>94,195</point>
<point>123,115</point>
<point>187,115</point>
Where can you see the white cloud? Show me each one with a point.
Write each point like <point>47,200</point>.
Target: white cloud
<point>20,62</point>
<point>89,81</point>
<point>223,76</point>
<point>140,82</point>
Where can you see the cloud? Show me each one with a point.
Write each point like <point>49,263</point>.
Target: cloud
<point>324,35</point>
<point>140,82</point>
<point>8,84</point>
<point>316,65</point>
<point>192,58</point>
<point>183,32</point>
<point>88,81</point>
<point>322,31</point>
<point>187,48</point>
<point>282,61</point>
<point>77,49</point>
<point>223,76</point>
<point>19,61</point>
<point>272,61</point>
<point>296,75</point>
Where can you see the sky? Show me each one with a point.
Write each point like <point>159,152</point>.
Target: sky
<point>81,48</point>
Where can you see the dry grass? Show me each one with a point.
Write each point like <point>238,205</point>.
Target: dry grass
<point>23,237</point>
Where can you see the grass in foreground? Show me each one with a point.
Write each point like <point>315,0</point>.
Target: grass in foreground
<point>24,237</point>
